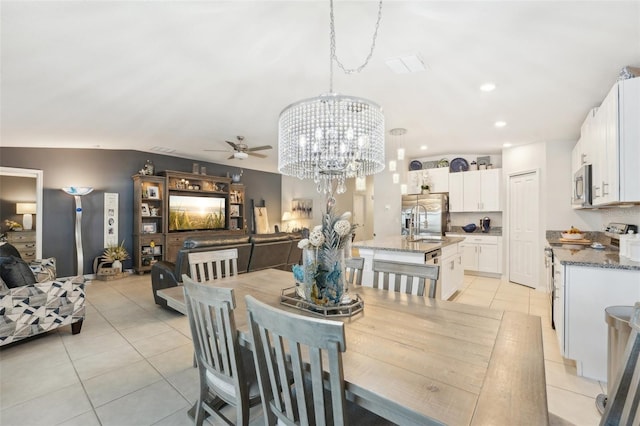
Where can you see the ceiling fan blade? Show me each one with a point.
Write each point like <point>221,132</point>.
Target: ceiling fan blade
<point>231,157</point>
<point>255,154</point>
<point>216,150</point>
<point>233,145</point>
<point>260,148</point>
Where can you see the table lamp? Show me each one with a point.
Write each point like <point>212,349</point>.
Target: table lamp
<point>27,210</point>
<point>77,192</point>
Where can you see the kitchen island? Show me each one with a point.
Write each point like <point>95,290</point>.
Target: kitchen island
<point>444,252</point>
<point>586,281</point>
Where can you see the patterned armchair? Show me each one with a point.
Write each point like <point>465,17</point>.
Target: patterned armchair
<point>43,306</point>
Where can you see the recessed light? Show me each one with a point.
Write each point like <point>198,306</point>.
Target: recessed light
<point>423,147</point>
<point>506,144</point>
<point>500,123</point>
<point>488,87</point>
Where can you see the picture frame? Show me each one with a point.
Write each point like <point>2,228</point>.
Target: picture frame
<point>302,208</point>
<point>153,192</point>
<point>149,228</point>
<point>157,250</point>
<point>146,250</point>
<point>234,210</point>
<point>144,209</point>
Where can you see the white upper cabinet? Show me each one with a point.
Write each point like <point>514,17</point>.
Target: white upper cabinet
<point>585,149</point>
<point>475,191</point>
<point>616,138</point>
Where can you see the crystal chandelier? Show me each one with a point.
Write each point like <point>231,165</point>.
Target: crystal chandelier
<point>332,137</point>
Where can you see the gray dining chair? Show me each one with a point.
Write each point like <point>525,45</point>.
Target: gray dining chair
<point>353,270</point>
<point>213,265</point>
<point>623,406</point>
<point>293,354</point>
<point>226,370</point>
<point>418,274</point>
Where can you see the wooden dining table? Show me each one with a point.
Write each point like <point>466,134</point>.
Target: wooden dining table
<point>413,360</point>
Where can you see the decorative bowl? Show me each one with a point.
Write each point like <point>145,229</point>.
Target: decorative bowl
<point>568,236</point>
<point>469,228</point>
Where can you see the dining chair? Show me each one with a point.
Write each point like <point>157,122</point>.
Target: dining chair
<point>226,370</point>
<point>411,271</point>
<point>353,270</point>
<point>623,405</point>
<point>293,354</point>
<point>213,265</point>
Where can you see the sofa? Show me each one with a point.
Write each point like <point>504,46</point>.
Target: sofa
<point>255,252</point>
<point>33,300</point>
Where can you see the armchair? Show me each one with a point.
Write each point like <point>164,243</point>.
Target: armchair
<point>42,305</point>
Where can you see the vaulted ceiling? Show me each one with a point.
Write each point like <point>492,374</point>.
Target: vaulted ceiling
<point>186,76</point>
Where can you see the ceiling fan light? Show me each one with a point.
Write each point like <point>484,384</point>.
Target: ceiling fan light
<point>240,155</point>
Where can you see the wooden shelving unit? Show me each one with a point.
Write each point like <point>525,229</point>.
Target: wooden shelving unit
<point>149,221</point>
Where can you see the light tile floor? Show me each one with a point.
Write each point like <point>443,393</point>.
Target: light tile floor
<point>132,362</point>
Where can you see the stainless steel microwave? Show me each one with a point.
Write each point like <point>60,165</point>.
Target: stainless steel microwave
<point>582,187</point>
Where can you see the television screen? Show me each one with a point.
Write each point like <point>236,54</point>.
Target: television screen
<point>193,213</point>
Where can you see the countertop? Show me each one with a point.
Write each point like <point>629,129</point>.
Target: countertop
<point>400,243</point>
<point>583,255</point>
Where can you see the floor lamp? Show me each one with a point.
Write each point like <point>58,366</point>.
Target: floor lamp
<point>77,192</point>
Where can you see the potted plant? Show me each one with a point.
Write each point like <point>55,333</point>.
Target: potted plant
<point>425,188</point>
<point>115,254</point>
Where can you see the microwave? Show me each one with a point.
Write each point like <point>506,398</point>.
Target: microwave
<point>582,187</point>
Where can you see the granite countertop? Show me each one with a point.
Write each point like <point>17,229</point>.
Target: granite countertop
<point>584,255</point>
<point>400,243</point>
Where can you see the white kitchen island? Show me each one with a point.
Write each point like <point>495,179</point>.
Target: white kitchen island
<point>399,249</point>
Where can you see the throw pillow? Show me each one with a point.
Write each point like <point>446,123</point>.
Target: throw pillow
<point>44,269</point>
<point>7,249</point>
<point>15,272</point>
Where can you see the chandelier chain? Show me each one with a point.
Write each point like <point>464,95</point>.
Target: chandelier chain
<point>334,57</point>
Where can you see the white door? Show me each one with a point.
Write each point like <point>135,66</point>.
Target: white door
<point>456,192</point>
<point>524,256</point>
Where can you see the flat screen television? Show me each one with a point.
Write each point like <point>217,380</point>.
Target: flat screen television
<point>196,213</point>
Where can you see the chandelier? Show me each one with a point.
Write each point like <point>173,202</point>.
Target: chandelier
<point>332,137</point>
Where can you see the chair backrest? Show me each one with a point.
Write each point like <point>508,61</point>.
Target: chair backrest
<point>623,406</point>
<point>418,274</point>
<point>213,265</point>
<point>354,267</point>
<point>288,394</point>
<point>215,339</point>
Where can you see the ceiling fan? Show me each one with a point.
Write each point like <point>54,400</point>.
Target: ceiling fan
<point>241,150</point>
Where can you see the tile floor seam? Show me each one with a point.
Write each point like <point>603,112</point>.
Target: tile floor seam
<point>84,389</point>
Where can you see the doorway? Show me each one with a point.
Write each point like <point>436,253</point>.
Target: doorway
<point>524,223</point>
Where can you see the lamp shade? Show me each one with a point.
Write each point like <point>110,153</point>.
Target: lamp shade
<point>286,216</point>
<point>77,190</point>
<point>25,208</point>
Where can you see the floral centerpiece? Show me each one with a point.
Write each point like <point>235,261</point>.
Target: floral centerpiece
<point>115,254</point>
<point>321,276</point>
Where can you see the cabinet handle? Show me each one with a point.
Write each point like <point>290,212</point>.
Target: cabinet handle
<point>452,265</point>
<point>603,186</point>
<point>29,245</point>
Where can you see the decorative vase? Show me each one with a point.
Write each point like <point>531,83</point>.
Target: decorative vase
<point>116,264</point>
<point>324,277</point>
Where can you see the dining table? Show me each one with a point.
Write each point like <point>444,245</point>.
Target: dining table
<point>417,361</point>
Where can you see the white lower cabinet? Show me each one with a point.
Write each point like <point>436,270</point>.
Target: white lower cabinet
<point>482,254</point>
<point>579,312</point>
<point>451,272</point>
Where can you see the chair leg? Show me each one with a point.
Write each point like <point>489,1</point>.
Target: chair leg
<point>76,327</point>
<point>242,414</point>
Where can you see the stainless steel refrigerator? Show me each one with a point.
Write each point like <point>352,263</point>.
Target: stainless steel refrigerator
<point>425,215</point>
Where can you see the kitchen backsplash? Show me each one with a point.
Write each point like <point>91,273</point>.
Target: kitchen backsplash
<point>461,219</point>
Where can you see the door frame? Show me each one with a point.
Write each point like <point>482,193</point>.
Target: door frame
<point>507,227</point>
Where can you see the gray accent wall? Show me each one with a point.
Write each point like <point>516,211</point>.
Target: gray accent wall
<point>111,171</point>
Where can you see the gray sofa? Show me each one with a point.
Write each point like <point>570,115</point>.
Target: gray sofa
<point>260,251</point>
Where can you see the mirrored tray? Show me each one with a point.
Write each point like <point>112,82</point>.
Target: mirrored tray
<point>289,297</point>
